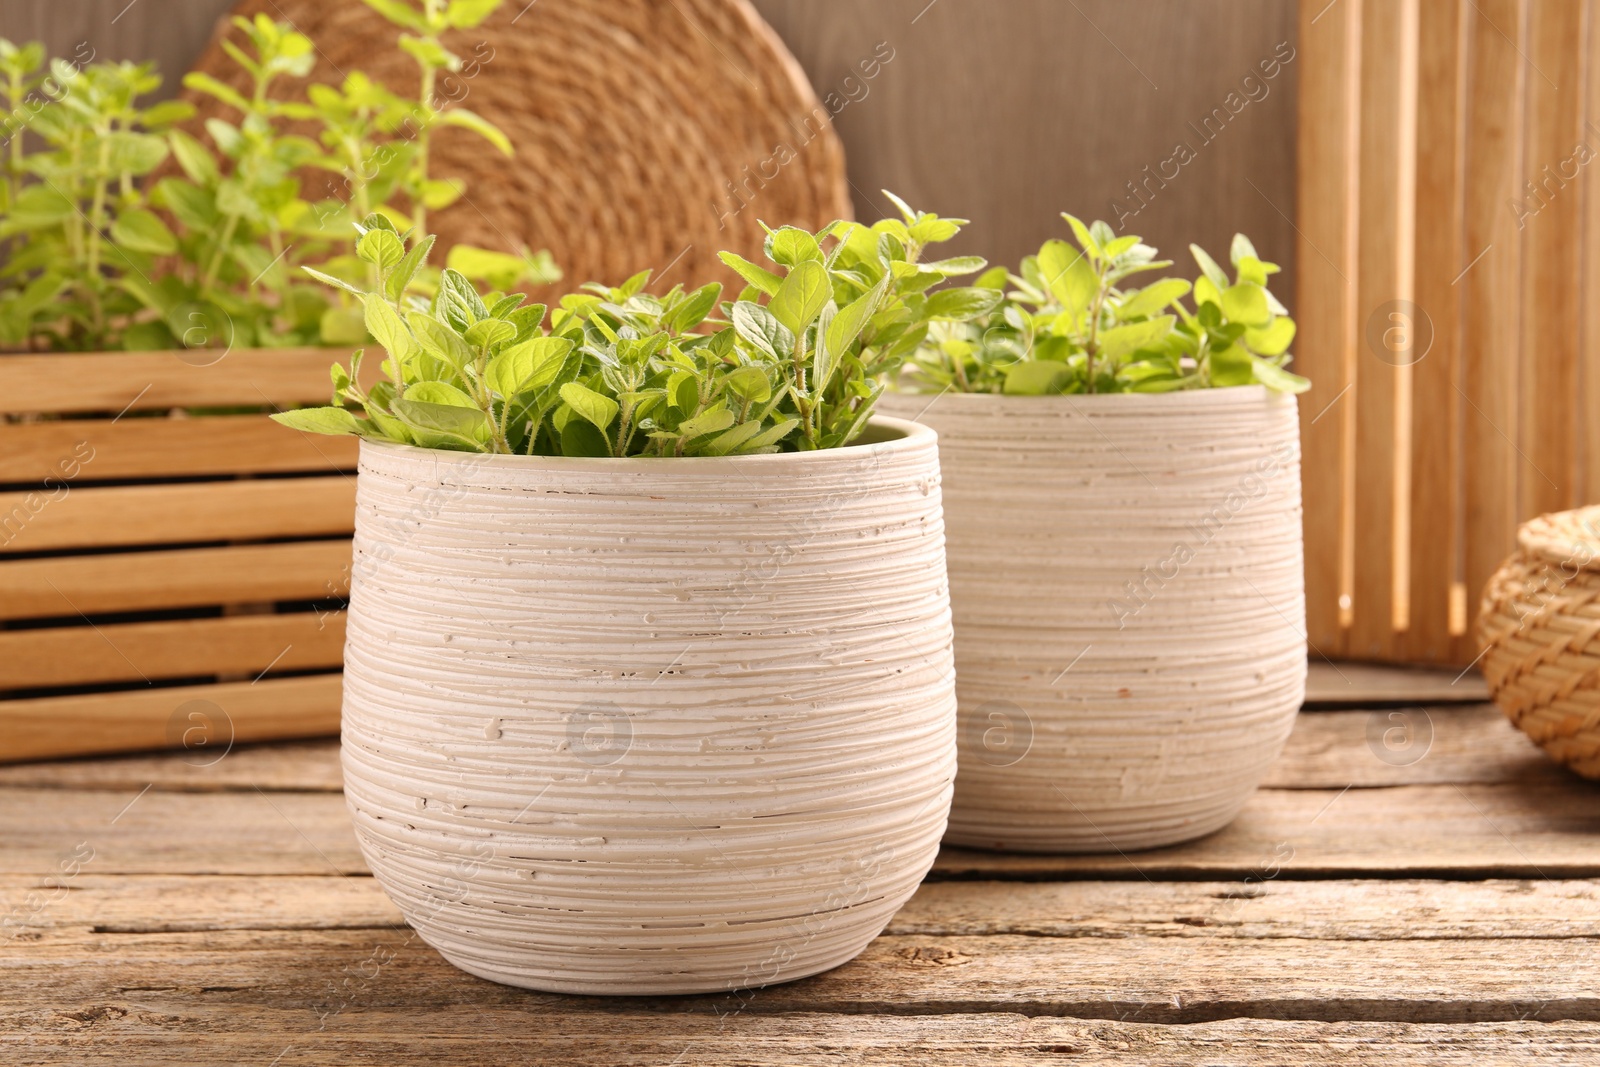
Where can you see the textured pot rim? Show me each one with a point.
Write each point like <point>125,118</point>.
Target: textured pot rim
<point>905,436</point>
<point>1191,397</point>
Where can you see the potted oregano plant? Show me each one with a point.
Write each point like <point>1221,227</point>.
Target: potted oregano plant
<point>648,683</point>
<point>124,231</point>
<point>1122,490</point>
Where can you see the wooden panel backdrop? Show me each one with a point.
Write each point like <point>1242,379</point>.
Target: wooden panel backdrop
<point>1449,228</point>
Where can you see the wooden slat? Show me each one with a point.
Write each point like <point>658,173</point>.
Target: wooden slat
<point>1389,910</point>
<point>1197,979</point>
<point>54,727</point>
<point>1547,414</point>
<point>114,381</point>
<point>1324,308</point>
<point>1384,277</point>
<point>1403,746</point>
<point>67,586</point>
<point>1523,830</point>
<point>1588,487</point>
<point>1435,544</point>
<point>297,766</point>
<point>165,447</point>
<point>1363,684</point>
<point>135,651</point>
<point>173,514</point>
<point>599,1033</point>
<point>1491,281</point>
<point>1543,830</point>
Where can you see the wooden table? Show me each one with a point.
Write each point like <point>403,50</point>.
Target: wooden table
<point>1434,906</point>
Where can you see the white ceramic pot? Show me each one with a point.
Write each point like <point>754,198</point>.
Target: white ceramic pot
<point>650,725</point>
<point>1126,577</point>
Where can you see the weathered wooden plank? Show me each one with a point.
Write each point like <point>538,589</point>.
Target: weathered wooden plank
<point>138,447</point>
<point>195,577</point>
<point>203,719</point>
<point>1549,216</point>
<point>1384,281</point>
<point>119,1031</point>
<point>1410,746</point>
<point>1325,349</point>
<point>1200,979</point>
<point>1366,684</point>
<point>294,766</point>
<point>1437,616</point>
<point>1491,282</point>
<point>135,651</point>
<point>1588,188</point>
<point>1526,830</point>
<point>118,381</point>
<point>1380,910</point>
<point>1545,830</point>
<point>187,513</point>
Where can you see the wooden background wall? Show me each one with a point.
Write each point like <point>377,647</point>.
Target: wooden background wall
<point>1005,113</point>
<point>1449,227</point>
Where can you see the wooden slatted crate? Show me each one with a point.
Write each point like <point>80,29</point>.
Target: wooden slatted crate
<point>1448,153</point>
<point>171,561</point>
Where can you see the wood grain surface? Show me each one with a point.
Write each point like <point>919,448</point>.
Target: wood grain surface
<point>1368,907</point>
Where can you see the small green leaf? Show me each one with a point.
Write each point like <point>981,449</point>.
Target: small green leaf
<point>448,426</point>
<point>143,231</point>
<point>440,341</point>
<point>1232,366</point>
<point>457,301</point>
<point>1276,378</point>
<point>1246,303</point>
<point>531,364</point>
<point>598,409</point>
<point>490,332</point>
<point>693,309</point>
<point>853,318</point>
<point>802,296</point>
<point>761,328</point>
<point>321,420</point>
<point>790,247</point>
<point>1208,266</point>
<point>193,158</point>
<point>384,323</point>
<point>1121,341</point>
<point>1035,377</point>
<point>381,247</point>
<point>470,120</point>
<point>1272,339</point>
<point>394,286</point>
<point>205,83</point>
<point>748,383</point>
<point>1067,274</point>
<point>400,13</point>
<point>1152,299</point>
<point>760,277</point>
<point>962,305</point>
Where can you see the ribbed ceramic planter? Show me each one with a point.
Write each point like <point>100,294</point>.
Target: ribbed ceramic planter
<point>650,726</point>
<point>1125,573</point>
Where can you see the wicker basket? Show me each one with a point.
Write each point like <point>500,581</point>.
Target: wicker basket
<point>648,133</point>
<point>1540,623</point>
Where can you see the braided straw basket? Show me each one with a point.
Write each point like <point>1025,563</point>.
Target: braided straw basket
<point>1540,623</point>
<point>648,133</point>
